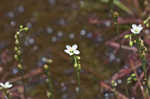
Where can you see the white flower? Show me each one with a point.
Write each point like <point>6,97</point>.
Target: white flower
<point>136,29</point>
<point>71,50</point>
<point>6,85</point>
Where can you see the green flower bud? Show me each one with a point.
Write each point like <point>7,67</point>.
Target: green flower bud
<point>17,42</point>
<point>16,37</point>
<point>18,52</point>
<point>46,67</point>
<point>21,26</point>
<point>19,66</point>
<point>114,84</point>
<point>26,28</point>
<point>49,60</point>
<point>75,65</point>
<point>126,36</point>
<point>115,14</point>
<point>16,57</point>
<point>15,48</point>
<point>133,75</point>
<point>78,57</point>
<point>130,43</point>
<point>134,79</point>
<point>129,78</point>
<point>17,33</point>
<point>49,94</point>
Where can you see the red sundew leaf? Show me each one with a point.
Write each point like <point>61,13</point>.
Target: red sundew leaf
<point>28,75</point>
<point>5,57</point>
<point>93,21</point>
<point>120,21</point>
<point>132,65</point>
<point>137,84</point>
<point>125,71</point>
<point>147,40</point>
<point>113,44</point>
<point>121,73</point>
<point>129,20</point>
<point>119,95</point>
<point>17,91</point>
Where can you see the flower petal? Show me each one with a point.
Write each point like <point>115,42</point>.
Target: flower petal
<point>141,28</point>
<point>139,25</point>
<point>1,84</point>
<point>7,83</point>
<point>74,47</point>
<point>68,47</point>
<point>133,31</point>
<point>76,52</point>
<point>9,86</point>
<point>134,26</point>
<point>67,51</point>
<point>70,54</point>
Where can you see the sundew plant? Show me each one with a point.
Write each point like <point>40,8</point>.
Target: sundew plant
<point>75,49</point>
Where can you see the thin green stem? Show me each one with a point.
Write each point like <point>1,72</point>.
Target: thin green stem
<point>111,3</point>
<point>49,82</point>
<point>77,69</point>
<point>6,94</point>
<point>78,78</point>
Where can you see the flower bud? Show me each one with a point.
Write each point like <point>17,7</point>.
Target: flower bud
<point>46,67</point>
<point>19,66</point>
<point>17,42</point>
<point>21,26</point>
<point>75,65</point>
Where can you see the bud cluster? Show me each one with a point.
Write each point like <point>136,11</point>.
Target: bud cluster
<point>17,48</point>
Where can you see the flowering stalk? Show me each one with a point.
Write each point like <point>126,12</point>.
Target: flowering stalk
<point>18,51</point>
<point>139,43</point>
<point>72,51</point>
<point>136,29</point>
<point>77,68</point>
<point>49,81</point>
<point>142,50</point>
<point>6,93</point>
<point>18,47</point>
